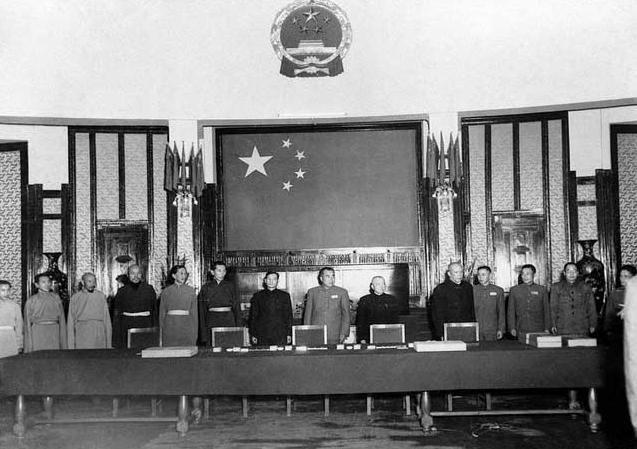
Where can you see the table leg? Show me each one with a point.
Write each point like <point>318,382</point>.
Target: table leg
<point>19,427</point>
<point>182,416</point>
<point>48,407</point>
<point>594,418</point>
<point>573,403</point>
<point>426,420</point>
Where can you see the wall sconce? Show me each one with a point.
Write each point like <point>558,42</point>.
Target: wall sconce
<point>184,178</point>
<point>441,179</point>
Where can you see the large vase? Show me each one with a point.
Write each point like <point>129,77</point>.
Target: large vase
<point>59,280</point>
<point>592,271</point>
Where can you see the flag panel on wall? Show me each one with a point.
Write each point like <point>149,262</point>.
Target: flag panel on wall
<point>320,189</point>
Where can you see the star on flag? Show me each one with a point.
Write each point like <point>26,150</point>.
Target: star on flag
<point>286,143</point>
<point>300,155</point>
<point>256,162</point>
<point>300,173</point>
<point>287,186</point>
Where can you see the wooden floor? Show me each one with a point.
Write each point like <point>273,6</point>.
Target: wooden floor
<point>347,426</point>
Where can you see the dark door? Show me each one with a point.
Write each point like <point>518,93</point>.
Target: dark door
<point>518,240</point>
<point>118,248</point>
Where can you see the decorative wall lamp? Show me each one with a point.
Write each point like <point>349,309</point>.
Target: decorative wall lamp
<point>441,179</point>
<point>184,178</point>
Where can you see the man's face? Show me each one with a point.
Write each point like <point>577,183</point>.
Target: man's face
<point>571,273</point>
<point>219,272</point>
<point>135,275</point>
<point>378,285</point>
<point>44,283</point>
<point>4,291</point>
<point>624,277</point>
<point>271,281</point>
<point>89,282</point>
<point>527,276</point>
<point>327,278</point>
<point>455,273</point>
<point>180,276</point>
<point>484,276</point>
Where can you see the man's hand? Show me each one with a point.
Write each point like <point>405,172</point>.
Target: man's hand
<point>498,335</point>
<point>514,333</point>
<point>592,330</point>
<point>288,339</point>
<point>554,330</point>
<point>254,340</point>
<point>364,342</point>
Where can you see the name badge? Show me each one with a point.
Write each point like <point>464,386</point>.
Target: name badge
<point>535,293</point>
<point>493,293</point>
<point>334,296</point>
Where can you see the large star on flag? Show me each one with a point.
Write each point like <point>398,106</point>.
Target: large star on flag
<point>256,162</point>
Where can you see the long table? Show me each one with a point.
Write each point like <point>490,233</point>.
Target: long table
<point>487,366</point>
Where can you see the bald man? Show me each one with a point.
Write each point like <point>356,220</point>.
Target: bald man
<point>135,305</point>
<point>376,308</point>
<point>89,323</point>
<point>452,301</point>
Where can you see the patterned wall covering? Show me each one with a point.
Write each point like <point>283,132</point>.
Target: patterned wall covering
<point>136,184</point>
<point>531,185</point>
<point>83,232</point>
<point>559,237</point>
<point>478,208</point>
<point>627,167</point>
<point>51,205</point>
<point>11,223</point>
<point>446,242</point>
<point>586,215</point>
<point>502,164</point>
<point>159,256</point>
<point>107,176</point>
<point>51,236</point>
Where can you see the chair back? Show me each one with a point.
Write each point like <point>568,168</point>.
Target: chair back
<point>468,332</point>
<point>229,337</point>
<point>387,333</point>
<point>143,337</point>
<point>309,335</point>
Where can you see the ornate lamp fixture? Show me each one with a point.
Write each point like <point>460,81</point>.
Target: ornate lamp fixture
<point>183,177</point>
<point>441,179</point>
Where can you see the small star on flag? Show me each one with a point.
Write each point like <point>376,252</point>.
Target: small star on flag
<point>300,155</point>
<point>256,162</point>
<point>287,186</point>
<point>300,173</point>
<point>286,143</point>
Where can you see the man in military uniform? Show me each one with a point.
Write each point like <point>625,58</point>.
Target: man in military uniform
<point>488,300</point>
<point>572,304</point>
<point>528,309</point>
<point>328,305</point>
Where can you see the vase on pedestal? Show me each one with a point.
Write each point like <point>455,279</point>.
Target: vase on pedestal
<point>59,280</point>
<point>592,271</point>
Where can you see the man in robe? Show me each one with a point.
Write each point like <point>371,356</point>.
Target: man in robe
<point>452,301</point>
<point>630,349</point>
<point>11,325</point>
<point>528,309</point>
<point>45,326</point>
<point>135,305</point>
<point>178,310</point>
<point>572,302</point>
<point>271,314</point>
<point>488,301</point>
<point>376,308</point>
<point>219,305</point>
<point>89,323</point>
<point>328,305</point>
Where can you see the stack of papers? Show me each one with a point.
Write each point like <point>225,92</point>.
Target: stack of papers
<point>169,351</point>
<point>439,346</point>
<point>542,340</point>
<point>578,340</point>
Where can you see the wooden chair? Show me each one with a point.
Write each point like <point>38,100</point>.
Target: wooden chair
<point>139,338</point>
<point>469,332</point>
<point>229,337</point>
<point>387,334</point>
<point>311,335</point>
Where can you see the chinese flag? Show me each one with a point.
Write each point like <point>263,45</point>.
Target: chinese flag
<point>320,189</point>
<point>168,169</point>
